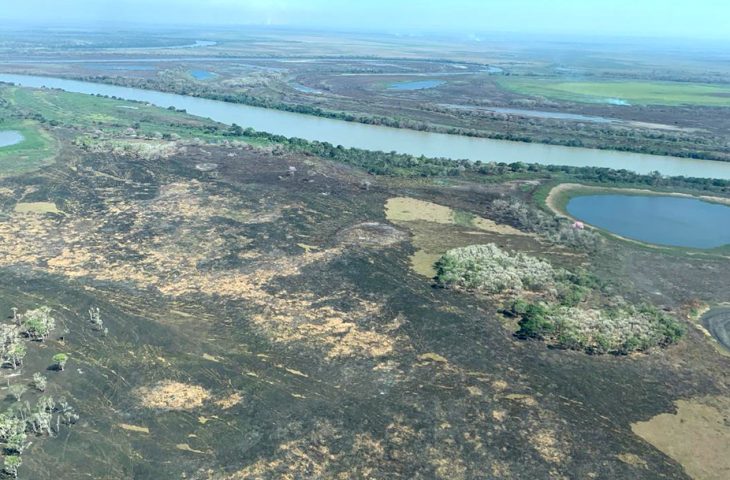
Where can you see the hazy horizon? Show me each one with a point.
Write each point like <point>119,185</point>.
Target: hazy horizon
<point>702,19</point>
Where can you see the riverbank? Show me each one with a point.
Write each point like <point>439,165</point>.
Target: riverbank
<point>519,133</point>
<point>388,139</point>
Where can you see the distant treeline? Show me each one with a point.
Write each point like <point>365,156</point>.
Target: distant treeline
<point>400,164</point>
<point>675,148</point>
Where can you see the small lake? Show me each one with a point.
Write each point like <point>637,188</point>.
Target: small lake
<point>121,66</point>
<point>10,137</point>
<point>658,219</point>
<point>556,115</point>
<point>304,89</point>
<point>202,74</point>
<point>416,85</point>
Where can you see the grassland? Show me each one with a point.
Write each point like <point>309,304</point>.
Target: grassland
<point>623,92</point>
<point>36,149</point>
<point>88,112</point>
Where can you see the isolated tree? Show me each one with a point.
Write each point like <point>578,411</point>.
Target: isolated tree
<point>95,317</point>
<point>46,403</point>
<point>37,324</point>
<point>59,361</point>
<point>17,443</point>
<point>39,382</point>
<point>8,335</point>
<point>10,425</point>
<point>40,423</point>
<point>14,354</point>
<point>17,390</point>
<point>11,465</point>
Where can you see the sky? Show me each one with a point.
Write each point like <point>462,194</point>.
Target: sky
<point>646,18</point>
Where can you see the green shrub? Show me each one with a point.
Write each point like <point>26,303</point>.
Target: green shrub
<point>38,323</point>
<point>489,269</point>
<point>569,310</point>
<point>59,361</point>
<point>535,322</point>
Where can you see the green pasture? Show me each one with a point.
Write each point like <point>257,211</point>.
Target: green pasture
<point>615,92</point>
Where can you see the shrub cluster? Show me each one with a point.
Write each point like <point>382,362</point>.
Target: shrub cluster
<point>554,229</point>
<point>565,309</point>
<point>619,329</point>
<point>489,269</point>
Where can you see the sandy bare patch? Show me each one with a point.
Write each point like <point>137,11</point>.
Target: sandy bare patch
<point>36,207</point>
<point>697,436</point>
<point>133,428</point>
<point>406,209</point>
<point>424,263</point>
<point>632,459</point>
<point>230,401</point>
<point>371,234</point>
<point>432,357</point>
<point>187,448</point>
<point>499,415</point>
<point>526,400</point>
<point>548,446</point>
<point>171,395</point>
<point>491,226</point>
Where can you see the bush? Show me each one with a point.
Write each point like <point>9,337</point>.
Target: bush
<point>554,229</point>
<point>489,269</point>
<point>569,310</point>
<point>620,330</point>
<point>38,323</point>
<point>535,323</point>
<point>59,361</point>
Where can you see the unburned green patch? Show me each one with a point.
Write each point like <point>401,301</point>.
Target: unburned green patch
<point>37,149</point>
<point>623,93</point>
<point>566,309</point>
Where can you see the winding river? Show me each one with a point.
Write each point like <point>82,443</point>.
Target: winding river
<point>371,137</point>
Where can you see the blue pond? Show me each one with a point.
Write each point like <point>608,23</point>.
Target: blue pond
<point>120,66</point>
<point>662,220</point>
<point>202,74</point>
<point>10,137</point>
<point>417,85</point>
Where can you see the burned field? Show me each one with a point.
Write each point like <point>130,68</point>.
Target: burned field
<point>266,319</point>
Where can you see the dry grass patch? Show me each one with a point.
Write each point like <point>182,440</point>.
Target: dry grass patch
<point>36,207</point>
<point>133,428</point>
<point>408,211</point>
<point>230,401</point>
<point>171,395</point>
<point>697,436</point>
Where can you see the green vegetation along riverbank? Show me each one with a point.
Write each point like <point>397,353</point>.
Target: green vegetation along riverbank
<point>629,140</point>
